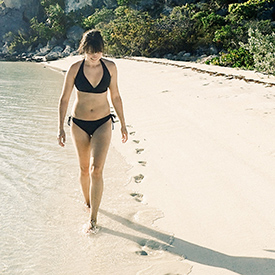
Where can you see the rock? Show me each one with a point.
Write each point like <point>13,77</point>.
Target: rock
<point>57,49</point>
<point>39,58</point>
<point>52,57</point>
<point>29,49</point>
<point>30,55</point>
<point>213,50</point>
<point>45,50</point>
<point>52,43</point>
<point>208,50</point>
<point>168,56</point>
<point>185,57</point>
<point>5,49</point>
<point>15,15</point>
<point>67,42</point>
<point>55,53</point>
<point>180,54</point>
<point>28,8</point>
<point>75,52</point>
<point>11,58</point>
<point>67,51</point>
<point>74,34</point>
<point>39,47</point>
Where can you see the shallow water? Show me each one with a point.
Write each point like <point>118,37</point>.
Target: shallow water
<point>42,212</point>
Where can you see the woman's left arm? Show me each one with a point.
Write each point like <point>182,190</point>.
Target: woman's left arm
<point>117,102</point>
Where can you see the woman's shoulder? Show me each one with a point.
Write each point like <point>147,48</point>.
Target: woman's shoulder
<point>74,67</point>
<point>111,65</point>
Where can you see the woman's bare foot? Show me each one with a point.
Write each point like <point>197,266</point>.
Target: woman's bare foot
<point>93,227</point>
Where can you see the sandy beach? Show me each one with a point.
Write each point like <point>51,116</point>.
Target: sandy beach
<point>201,154</point>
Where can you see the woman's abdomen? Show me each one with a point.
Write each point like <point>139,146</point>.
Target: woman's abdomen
<point>91,107</point>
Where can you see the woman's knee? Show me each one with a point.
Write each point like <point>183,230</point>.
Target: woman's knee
<point>97,171</point>
<point>85,170</point>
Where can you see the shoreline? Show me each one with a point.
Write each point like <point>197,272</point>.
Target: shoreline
<point>201,152</point>
<point>212,70</point>
<point>228,72</point>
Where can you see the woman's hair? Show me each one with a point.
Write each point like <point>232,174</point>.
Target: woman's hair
<point>91,42</point>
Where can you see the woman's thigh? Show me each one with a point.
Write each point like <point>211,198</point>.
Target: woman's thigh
<point>100,144</point>
<point>82,143</point>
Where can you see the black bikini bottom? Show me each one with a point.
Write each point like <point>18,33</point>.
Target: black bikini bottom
<point>90,126</point>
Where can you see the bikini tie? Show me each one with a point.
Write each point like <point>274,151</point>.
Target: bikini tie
<point>69,120</point>
<point>113,120</point>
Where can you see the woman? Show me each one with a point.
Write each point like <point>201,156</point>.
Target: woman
<point>91,119</point>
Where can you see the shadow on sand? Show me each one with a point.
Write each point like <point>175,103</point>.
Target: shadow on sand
<point>192,252</point>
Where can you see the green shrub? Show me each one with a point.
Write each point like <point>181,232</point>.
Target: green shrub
<point>208,20</point>
<point>246,11</point>
<point>129,33</point>
<point>229,36</point>
<point>173,33</point>
<point>20,41</point>
<point>212,20</point>
<point>47,3</point>
<point>99,16</point>
<point>237,58</point>
<point>262,48</point>
<point>124,2</point>
<point>55,24</point>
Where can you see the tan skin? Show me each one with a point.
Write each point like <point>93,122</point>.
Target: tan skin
<point>91,151</point>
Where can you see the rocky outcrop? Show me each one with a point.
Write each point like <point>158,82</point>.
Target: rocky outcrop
<point>72,5</point>
<point>28,8</point>
<point>15,15</point>
<point>74,35</point>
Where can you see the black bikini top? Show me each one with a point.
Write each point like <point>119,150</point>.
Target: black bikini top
<point>83,85</point>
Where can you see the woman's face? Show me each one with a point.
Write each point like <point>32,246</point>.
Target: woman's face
<point>92,56</point>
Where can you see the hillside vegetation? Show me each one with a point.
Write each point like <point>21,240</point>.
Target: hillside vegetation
<point>234,33</point>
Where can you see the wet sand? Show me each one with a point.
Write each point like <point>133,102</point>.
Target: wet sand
<point>200,162</point>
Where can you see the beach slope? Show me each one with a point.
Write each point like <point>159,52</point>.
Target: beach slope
<point>201,151</point>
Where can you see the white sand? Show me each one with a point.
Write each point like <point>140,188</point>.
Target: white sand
<point>208,161</point>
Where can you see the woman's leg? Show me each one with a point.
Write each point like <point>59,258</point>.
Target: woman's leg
<point>82,142</point>
<point>100,145</point>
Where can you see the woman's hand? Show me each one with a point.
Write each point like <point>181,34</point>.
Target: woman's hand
<point>61,137</point>
<point>124,134</point>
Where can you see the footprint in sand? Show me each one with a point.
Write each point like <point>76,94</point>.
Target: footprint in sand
<point>138,197</point>
<point>142,162</point>
<point>142,253</point>
<point>139,178</point>
<point>132,133</point>
<point>136,141</point>
<point>139,150</point>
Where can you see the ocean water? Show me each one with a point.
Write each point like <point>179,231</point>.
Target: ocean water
<point>42,214</point>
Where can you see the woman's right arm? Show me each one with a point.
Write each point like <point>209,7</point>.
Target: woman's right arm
<point>63,103</point>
